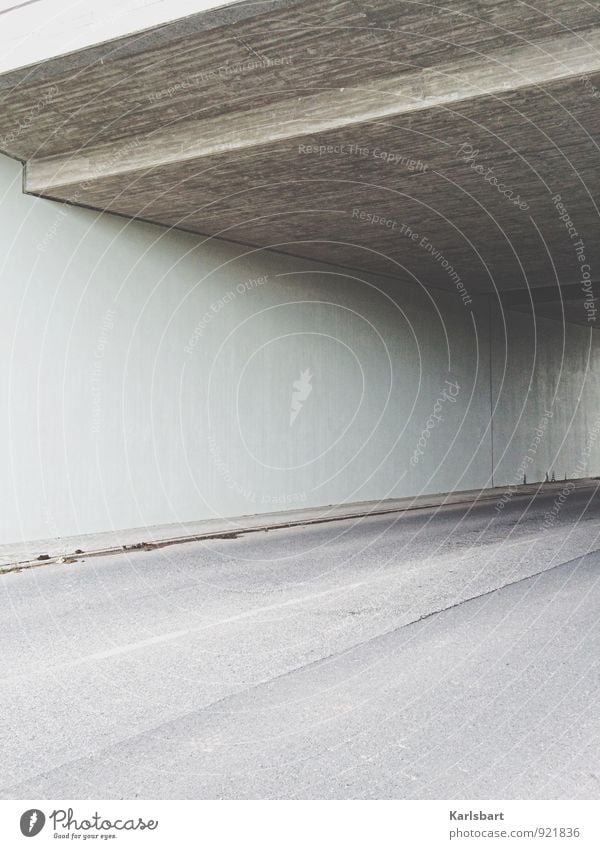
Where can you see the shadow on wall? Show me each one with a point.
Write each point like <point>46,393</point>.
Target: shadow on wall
<point>155,377</point>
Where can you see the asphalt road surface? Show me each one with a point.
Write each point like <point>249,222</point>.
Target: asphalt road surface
<point>441,653</point>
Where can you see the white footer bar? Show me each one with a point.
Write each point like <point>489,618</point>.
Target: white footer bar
<point>301,824</point>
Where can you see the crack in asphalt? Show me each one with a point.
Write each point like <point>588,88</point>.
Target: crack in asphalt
<point>333,656</point>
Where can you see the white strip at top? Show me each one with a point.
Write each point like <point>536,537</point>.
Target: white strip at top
<point>33,31</point>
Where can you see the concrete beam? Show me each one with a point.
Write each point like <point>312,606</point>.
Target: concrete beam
<point>549,61</point>
<point>204,125</point>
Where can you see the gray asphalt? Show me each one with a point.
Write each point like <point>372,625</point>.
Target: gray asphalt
<point>442,653</point>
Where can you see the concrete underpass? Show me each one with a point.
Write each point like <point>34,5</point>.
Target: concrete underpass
<point>301,392</point>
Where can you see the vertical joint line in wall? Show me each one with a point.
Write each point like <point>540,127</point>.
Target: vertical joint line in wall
<point>490,365</point>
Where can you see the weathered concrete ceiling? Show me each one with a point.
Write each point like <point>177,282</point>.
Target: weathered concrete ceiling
<point>298,125</point>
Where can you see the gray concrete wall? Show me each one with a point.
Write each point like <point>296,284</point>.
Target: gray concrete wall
<point>152,377</point>
<point>546,384</point>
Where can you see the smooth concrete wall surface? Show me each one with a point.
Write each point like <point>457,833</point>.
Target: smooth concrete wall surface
<point>546,389</point>
<point>150,377</point>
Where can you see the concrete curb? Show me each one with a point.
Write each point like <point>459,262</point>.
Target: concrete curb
<point>26,555</point>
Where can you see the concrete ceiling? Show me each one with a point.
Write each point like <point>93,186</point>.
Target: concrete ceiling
<point>297,124</point>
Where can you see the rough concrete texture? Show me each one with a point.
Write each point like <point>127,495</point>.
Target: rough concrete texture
<point>462,123</point>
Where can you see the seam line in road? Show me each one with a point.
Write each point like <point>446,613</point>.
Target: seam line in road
<point>171,636</point>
